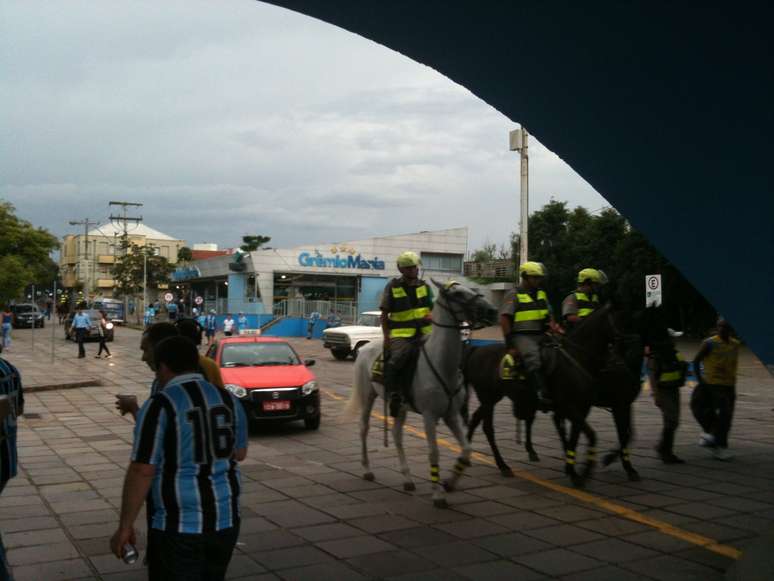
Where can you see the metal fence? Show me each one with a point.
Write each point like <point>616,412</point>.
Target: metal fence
<point>347,310</point>
<point>497,269</point>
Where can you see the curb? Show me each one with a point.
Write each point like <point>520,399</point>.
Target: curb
<point>58,386</point>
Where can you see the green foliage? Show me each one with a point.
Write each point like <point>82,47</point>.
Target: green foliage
<point>250,243</point>
<point>566,241</point>
<point>129,269</point>
<point>25,252</point>
<point>485,254</point>
<point>184,254</point>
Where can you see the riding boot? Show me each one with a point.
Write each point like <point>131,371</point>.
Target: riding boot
<point>392,389</point>
<point>538,385</point>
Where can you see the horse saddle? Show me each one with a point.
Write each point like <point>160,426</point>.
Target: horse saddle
<point>377,369</point>
<point>511,368</point>
<point>406,372</point>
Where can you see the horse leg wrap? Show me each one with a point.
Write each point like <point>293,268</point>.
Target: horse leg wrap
<point>460,465</point>
<point>570,457</point>
<point>592,453</point>
<point>625,454</point>
<point>435,474</point>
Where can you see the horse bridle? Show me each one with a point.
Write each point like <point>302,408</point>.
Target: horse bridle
<point>465,304</point>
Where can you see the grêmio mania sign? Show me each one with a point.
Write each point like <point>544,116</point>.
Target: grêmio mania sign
<point>339,261</point>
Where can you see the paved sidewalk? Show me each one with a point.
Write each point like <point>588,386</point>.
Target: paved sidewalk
<point>308,514</point>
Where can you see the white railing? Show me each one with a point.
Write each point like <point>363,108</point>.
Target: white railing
<point>347,310</point>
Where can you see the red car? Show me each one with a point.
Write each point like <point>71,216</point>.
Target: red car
<point>269,378</point>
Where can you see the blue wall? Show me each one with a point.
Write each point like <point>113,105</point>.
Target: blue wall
<point>294,327</point>
<point>371,288</point>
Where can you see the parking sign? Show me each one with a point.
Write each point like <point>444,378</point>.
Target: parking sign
<point>653,290</point>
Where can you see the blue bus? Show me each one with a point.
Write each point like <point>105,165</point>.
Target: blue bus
<point>113,307</point>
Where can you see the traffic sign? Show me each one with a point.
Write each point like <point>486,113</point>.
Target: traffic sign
<point>199,300</point>
<point>168,297</point>
<point>653,290</point>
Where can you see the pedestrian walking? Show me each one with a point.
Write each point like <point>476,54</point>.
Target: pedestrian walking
<point>713,400</point>
<point>81,325</point>
<point>333,320</point>
<point>49,308</point>
<point>7,319</point>
<point>667,372</point>
<point>172,311</point>
<point>194,521</point>
<point>210,327</point>
<point>241,323</point>
<point>228,325</point>
<point>313,318</point>
<point>103,326</point>
<point>11,407</point>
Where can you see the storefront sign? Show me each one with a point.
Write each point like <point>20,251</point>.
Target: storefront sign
<point>186,273</point>
<point>338,261</point>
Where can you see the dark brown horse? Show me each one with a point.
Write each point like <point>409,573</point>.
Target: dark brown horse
<point>570,368</point>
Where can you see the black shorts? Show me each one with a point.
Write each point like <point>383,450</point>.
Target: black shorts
<point>190,557</point>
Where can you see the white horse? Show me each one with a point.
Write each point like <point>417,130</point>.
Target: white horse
<point>437,389</point>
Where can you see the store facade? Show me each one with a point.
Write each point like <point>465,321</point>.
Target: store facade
<point>348,277</point>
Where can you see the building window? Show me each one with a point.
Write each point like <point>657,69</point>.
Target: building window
<point>442,261</point>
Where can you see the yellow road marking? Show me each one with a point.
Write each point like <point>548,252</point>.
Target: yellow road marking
<point>586,497</point>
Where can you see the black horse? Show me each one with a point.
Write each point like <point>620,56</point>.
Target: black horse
<point>570,368</point>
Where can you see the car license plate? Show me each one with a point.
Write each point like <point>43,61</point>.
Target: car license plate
<point>276,406</point>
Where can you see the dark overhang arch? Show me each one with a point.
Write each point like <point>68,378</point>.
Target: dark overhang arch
<point>666,109</point>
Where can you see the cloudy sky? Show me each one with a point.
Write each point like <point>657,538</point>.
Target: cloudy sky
<point>234,117</point>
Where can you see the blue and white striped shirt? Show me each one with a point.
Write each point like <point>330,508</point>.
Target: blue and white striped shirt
<point>10,385</point>
<point>190,430</point>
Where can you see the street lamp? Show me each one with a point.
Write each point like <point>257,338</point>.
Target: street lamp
<point>518,142</point>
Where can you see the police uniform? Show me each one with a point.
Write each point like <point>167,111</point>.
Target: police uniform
<point>190,431</point>
<point>667,372</point>
<point>11,386</point>
<point>530,313</point>
<point>407,304</point>
<point>580,304</point>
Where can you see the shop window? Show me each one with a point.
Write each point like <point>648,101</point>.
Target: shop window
<point>442,261</point>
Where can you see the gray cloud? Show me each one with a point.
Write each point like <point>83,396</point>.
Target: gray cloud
<point>236,117</point>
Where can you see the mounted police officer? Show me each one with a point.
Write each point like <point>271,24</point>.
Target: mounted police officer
<point>524,321</point>
<point>584,300</point>
<point>406,307</point>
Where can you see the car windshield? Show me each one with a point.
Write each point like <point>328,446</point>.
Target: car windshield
<point>24,308</point>
<point>369,320</point>
<point>257,354</point>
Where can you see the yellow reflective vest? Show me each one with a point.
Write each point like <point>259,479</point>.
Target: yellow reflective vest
<point>586,304</point>
<point>530,314</point>
<point>721,363</point>
<point>409,306</point>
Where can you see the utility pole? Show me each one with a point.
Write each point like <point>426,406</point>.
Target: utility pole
<point>86,223</point>
<point>126,219</point>
<point>518,138</point>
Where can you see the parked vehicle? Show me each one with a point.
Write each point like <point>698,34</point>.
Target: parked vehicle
<point>346,341</point>
<point>27,315</point>
<point>269,378</point>
<point>113,307</point>
<point>93,334</point>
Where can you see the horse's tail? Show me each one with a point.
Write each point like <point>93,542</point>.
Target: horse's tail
<point>361,386</point>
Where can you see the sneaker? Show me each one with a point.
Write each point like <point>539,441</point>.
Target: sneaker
<point>722,454</point>
<point>98,357</point>
<point>706,440</point>
<point>109,357</point>
<point>670,458</point>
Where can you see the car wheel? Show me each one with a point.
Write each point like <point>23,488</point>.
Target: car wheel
<point>340,354</point>
<point>356,350</point>
<point>312,423</point>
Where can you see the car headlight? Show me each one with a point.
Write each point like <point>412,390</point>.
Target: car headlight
<point>309,387</point>
<point>237,390</point>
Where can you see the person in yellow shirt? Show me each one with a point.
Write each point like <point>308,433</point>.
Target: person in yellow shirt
<point>713,400</point>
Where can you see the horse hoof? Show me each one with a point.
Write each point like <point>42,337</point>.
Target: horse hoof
<point>440,503</point>
<point>369,476</point>
<point>409,486</point>
<point>507,472</point>
<point>634,476</point>
<point>609,459</point>
<point>448,486</point>
<point>534,457</point>
<point>577,481</point>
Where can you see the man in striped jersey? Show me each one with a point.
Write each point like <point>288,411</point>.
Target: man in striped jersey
<point>11,406</point>
<point>188,439</point>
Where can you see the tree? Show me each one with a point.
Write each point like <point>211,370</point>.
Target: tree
<point>184,254</point>
<point>25,251</point>
<point>129,270</point>
<point>250,243</point>
<point>485,254</point>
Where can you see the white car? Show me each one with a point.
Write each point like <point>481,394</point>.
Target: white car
<point>346,341</point>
